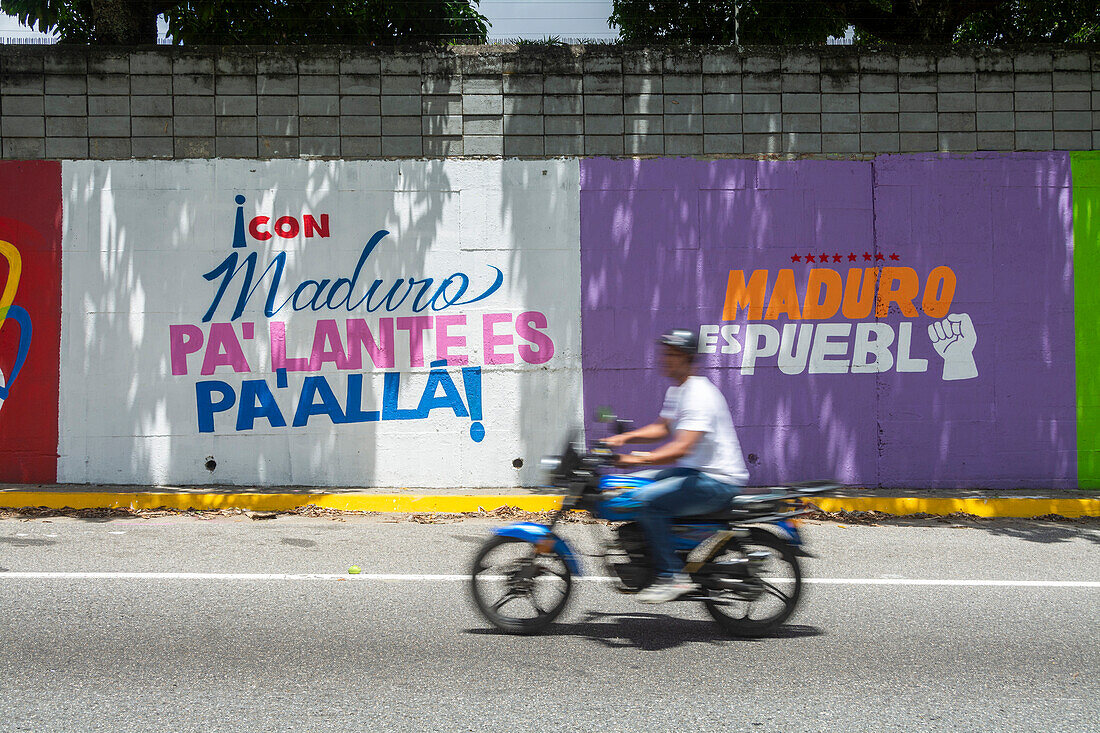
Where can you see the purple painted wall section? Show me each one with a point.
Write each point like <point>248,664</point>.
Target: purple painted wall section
<point>660,237</point>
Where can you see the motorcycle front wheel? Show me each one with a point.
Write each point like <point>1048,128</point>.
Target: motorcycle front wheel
<point>517,589</point>
<point>765,597</point>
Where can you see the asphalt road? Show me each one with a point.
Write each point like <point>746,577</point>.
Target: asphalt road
<point>99,632</point>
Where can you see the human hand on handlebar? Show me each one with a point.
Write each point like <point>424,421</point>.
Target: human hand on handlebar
<point>615,441</point>
<point>637,458</point>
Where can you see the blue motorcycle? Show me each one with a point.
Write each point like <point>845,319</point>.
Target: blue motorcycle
<point>748,577</point>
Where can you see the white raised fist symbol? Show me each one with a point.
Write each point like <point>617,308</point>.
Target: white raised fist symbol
<point>954,339</point>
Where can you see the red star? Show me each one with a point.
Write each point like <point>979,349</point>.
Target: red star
<point>836,258</point>
<point>866,256</point>
<point>851,256</point>
<point>810,258</point>
<point>878,256</point>
<point>795,258</point>
<point>895,257</point>
<point>824,257</point>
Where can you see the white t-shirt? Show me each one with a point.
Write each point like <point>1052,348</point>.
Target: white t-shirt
<point>697,405</point>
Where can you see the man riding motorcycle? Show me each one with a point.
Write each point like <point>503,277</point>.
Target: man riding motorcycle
<point>708,470</point>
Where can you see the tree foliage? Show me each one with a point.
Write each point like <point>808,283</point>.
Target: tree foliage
<point>260,22</point>
<point>883,21</point>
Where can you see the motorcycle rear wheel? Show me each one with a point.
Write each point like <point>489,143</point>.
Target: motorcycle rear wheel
<point>505,583</point>
<point>770,594</point>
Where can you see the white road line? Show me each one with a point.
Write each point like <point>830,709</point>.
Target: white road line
<point>399,577</point>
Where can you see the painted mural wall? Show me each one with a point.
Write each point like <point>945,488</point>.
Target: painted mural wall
<point>921,321</point>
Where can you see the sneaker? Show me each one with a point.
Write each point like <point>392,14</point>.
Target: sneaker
<point>667,589</point>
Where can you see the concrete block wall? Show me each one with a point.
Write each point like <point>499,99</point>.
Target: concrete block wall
<point>70,103</point>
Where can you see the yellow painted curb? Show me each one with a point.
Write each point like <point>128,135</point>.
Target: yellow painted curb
<point>454,503</point>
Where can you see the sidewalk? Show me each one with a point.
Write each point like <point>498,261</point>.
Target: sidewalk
<point>982,503</point>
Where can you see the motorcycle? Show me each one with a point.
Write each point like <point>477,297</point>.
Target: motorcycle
<point>748,578</point>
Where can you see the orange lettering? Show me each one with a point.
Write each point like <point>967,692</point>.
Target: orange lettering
<point>750,296</point>
<point>908,287</point>
<point>858,301</point>
<point>784,297</point>
<point>829,280</point>
<point>939,291</point>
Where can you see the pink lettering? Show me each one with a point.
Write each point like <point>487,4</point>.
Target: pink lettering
<point>327,346</point>
<point>526,328</point>
<point>223,349</point>
<point>279,360</point>
<point>493,340</point>
<point>185,339</point>
<point>416,326</point>
<point>444,342</point>
<point>360,337</point>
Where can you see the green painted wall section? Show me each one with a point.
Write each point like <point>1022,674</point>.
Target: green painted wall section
<point>1086,296</point>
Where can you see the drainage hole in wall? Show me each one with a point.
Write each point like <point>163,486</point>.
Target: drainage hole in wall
<point>753,459</point>
<point>518,463</point>
<point>211,464</point>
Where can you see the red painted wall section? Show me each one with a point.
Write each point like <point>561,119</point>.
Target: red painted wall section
<point>30,319</point>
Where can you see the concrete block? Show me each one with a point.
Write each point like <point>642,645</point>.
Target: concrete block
<point>801,142</point>
<point>24,148</point>
<point>879,102</point>
<point>956,82</point>
<point>330,126</point>
<point>643,61</point>
<point>801,84</point>
<point>159,85</point>
<point>447,105</point>
<point>24,63</point>
<point>713,84</point>
<point>647,124</point>
<point>770,143</point>
<point>355,61</point>
<point>917,103</point>
<point>400,86</point>
<point>1034,101</point>
<point>640,104</point>
<point>916,64</point>
<point>525,104</point>
<point>331,85</point>
<point>22,127</point>
<point>994,102</point>
<point>603,84</point>
<point>1072,120</point>
<point>956,64</point>
<point>762,122</point>
<point>761,83</point>
<point>102,61</point>
<point>356,126</point>
<point>563,105</point>
<point>70,148</point>
<point>802,123</point>
<point>1035,121</point>
<point>475,125</point>
<point>761,64</point>
<point>282,105</point>
<point>144,62</point>
<point>152,147</point>
<point>482,65</point>
<point>918,122</point>
<point>839,83</point>
<point>957,102</point>
<point>961,142</point>
<point>23,105</point>
<point>235,147</point>
<point>564,125</point>
<point>1067,60</point>
<point>187,126</point>
<point>723,144</point>
<point>148,126</point>
<point>114,105</point>
<point>1033,82</point>
<point>523,125</point>
<point>436,125</point>
<point>681,144</point>
<point>235,84</point>
<point>193,63</point>
<point>603,104</point>
<point>66,127</point>
<point>643,84</point>
<point>67,105</point>
<point>482,85</point>
<point>879,142</point>
<point>480,145</point>
<point>1063,140</point>
<point>996,140</point>
<point>109,148</point>
<point>278,61</point>
<point>118,84</point>
<point>679,61</point>
<point>1034,61</point>
<point>1062,101</point>
<point>957,122</point>
<point>236,126</point>
<point>682,84</point>
<point>194,147</point>
<point>722,124</point>
<point>798,103</point>
<point>919,142</point>
<point>679,125</point>
<point>993,60</point>
<point>365,105</point>
<point>722,104</point>
<point>721,62</point>
<point>996,121</point>
<point>840,143</point>
<point>431,85</point>
<point>235,63</point>
<point>840,123</point>
<point>555,84</point>
<point>66,84</point>
<point>879,62</point>
<point>643,144</point>
<point>489,104</point>
<point>187,84</point>
<point>280,125</point>
<point>1072,81</point>
<point>400,105</point>
<point>523,84</point>
<point>524,146</point>
<point>918,83</point>
<point>994,82</point>
<point>237,105</point>
<point>756,103</point>
<point>21,84</point>
<point>323,65</point>
<point>799,62</point>
<point>840,103</point>
<point>440,147</point>
<point>320,146</point>
<point>520,63</point>
<point>1034,139</point>
<point>879,122</point>
<point>878,83</point>
<point>563,144</point>
<point>361,147</point>
<point>276,84</point>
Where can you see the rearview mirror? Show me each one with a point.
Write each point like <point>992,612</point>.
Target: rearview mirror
<point>604,414</point>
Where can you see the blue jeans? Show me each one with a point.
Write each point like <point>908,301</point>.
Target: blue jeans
<point>676,492</point>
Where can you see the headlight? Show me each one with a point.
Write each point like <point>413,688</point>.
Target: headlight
<point>550,464</point>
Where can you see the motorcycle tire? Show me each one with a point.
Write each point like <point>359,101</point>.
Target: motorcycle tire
<point>519,590</point>
<point>784,594</point>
